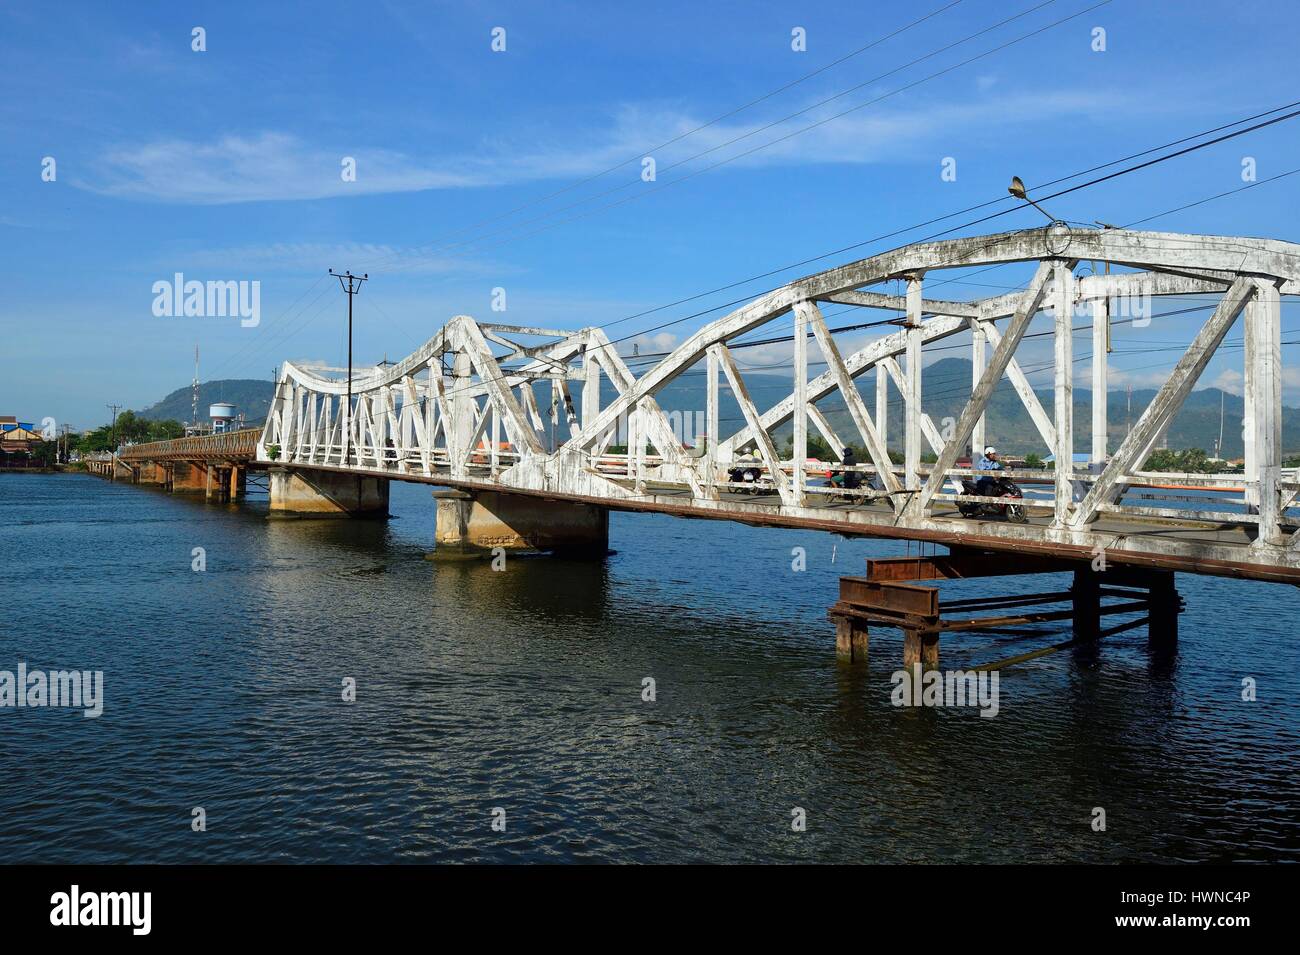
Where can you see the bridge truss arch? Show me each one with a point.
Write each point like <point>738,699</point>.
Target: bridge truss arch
<point>463,409</point>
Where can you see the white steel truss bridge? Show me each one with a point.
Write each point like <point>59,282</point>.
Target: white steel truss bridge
<point>462,410</point>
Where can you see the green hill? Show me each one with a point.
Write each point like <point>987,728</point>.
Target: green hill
<point>249,395</point>
<point>947,388</point>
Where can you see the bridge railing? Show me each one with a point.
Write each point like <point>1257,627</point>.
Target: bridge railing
<point>228,445</point>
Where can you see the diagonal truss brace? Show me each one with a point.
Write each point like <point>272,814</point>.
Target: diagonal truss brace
<point>1167,401</point>
<point>812,315</point>
<point>1030,302</point>
<point>764,440</point>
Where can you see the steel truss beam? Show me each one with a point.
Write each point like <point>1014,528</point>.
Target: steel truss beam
<point>463,406</point>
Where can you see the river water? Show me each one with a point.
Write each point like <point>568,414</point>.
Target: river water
<point>521,691</point>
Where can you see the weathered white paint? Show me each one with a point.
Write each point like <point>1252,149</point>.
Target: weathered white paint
<point>1100,384</point>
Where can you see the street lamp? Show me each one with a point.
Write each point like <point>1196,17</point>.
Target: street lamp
<point>1017,189</point>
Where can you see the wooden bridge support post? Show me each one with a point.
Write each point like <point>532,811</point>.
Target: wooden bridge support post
<point>920,645</point>
<point>217,486</point>
<point>238,483</point>
<point>1086,597</point>
<point>852,639</point>
<point>1162,625</point>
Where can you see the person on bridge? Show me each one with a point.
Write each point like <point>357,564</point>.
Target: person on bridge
<point>988,461</point>
<point>852,480</point>
<point>747,461</point>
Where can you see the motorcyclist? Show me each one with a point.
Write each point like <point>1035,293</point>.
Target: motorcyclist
<point>852,479</point>
<point>747,461</point>
<point>988,461</point>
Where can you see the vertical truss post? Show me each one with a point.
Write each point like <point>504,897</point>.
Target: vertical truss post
<point>800,456</point>
<point>912,399</point>
<point>635,445</point>
<point>1063,389</point>
<point>711,420</point>
<point>590,387</point>
<point>496,438</point>
<point>978,340</point>
<point>882,404</point>
<point>1263,387</point>
<point>1100,343</point>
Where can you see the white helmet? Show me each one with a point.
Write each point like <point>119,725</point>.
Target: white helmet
<point>990,451</point>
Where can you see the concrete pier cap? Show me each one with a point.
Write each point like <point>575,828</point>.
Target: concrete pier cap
<point>471,525</point>
<point>304,493</point>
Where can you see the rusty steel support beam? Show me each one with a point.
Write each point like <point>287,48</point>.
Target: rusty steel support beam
<point>961,564</point>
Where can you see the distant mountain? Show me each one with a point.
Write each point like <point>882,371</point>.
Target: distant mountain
<point>946,388</point>
<point>251,396</point>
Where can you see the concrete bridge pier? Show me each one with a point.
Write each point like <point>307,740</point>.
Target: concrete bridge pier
<point>471,525</point>
<point>189,477</point>
<point>151,472</point>
<point>316,494</point>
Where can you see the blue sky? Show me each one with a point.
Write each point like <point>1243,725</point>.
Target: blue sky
<point>225,164</point>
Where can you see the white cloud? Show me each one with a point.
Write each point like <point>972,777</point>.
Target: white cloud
<point>280,166</point>
<point>317,256</point>
<point>1229,380</point>
<point>652,344</point>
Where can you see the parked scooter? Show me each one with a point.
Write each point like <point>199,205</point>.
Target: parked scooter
<point>1002,487</point>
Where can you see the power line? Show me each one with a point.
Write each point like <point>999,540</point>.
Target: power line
<point>691,175</point>
<point>1075,188</point>
<point>700,128</point>
<point>774,123</point>
<point>959,212</point>
<point>1062,192</point>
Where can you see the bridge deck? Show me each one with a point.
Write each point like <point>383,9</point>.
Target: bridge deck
<point>1189,547</point>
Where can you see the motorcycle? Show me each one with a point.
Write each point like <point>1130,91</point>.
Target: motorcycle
<point>746,477</point>
<point>1002,487</point>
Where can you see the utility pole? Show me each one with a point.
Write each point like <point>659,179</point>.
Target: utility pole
<point>1218,445</point>
<point>112,433</point>
<point>194,394</point>
<point>351,285</point>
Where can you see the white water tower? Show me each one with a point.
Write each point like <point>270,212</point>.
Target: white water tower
<point>223,415</point>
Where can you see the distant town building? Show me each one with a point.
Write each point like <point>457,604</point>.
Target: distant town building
<point>17,435</point>
<point>17,439</point>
